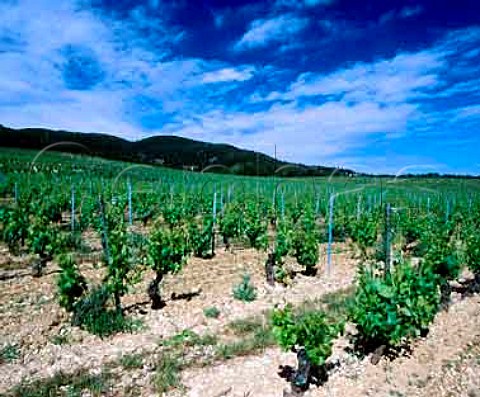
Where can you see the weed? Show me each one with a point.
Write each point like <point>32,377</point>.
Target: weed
<point>245,291</point>
<point>60,339</point>
<point>9,353</point>
<point>211,312</point>
<point>261,339</point>
<point>167,373</point>
<point>246,326</point>
<point>131,361</point>
<point>189,338</point>
<point>75,385</point>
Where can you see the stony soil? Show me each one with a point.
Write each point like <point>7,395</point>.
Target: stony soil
<point>444,363</point>
<point>31,318</point>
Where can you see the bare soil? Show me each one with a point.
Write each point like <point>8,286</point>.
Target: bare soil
<point>445,363</point>
<point>31,318</point>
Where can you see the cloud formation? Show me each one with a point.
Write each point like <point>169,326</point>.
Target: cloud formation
<point>228,74</point>
<point>140,74</point>
<point>277,29</point>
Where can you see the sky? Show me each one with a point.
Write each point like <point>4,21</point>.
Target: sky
<point>373,85</point>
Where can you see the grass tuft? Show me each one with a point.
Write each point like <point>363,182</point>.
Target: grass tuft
<point>189,338</point>
<point>131,361</point>
<point>246,326</point>
<point>72,385</point>
<point>9,353</point>
<point>167,373</point>
<point>211,312</point>
<point>245,291</point>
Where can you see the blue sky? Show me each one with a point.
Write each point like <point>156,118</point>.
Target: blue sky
<point>377,86</point>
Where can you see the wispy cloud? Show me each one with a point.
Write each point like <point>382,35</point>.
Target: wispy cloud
<point>386,81</point>
<point>277,29</point>
<point>469,111</point>
<point>402,13</point>
<point>228,74</point>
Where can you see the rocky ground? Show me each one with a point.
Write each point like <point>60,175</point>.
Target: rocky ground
<point>444,363</point>
<point>31,319</point>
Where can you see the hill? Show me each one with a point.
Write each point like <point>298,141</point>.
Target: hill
<point>170,151</point>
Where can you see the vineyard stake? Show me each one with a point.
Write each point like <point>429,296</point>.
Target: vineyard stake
<point>214,216</point>
<point>104,229</point>
<point>447,211</point>
<point>130,217</point>
<point>330,233</point>
<point>388,211</point>
<point>283,205</point>
<point>274,202</point>
<point>73,209</point>
<point>221,200</point>
<point>359,206</point>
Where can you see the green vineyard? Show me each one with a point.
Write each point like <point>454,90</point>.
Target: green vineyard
<point>142,226</point>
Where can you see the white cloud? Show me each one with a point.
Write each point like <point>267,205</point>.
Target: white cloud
<point>360,103</point>
<point>311,134</point>
<point>80,111</point>
<point>264,31</point>
<point>387,81</point>
<point>35,93</point>
<point>228,74</point>
<point>32,88</point>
